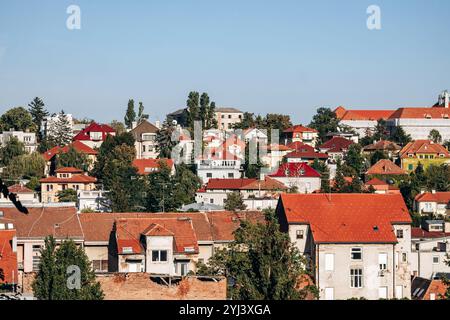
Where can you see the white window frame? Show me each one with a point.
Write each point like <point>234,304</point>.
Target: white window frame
<point>355,274</point>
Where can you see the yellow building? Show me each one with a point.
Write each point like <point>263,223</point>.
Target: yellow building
<point>424,152</point>
<point>66,178</point>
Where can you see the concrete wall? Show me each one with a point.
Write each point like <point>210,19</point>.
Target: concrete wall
<point>159,267</point>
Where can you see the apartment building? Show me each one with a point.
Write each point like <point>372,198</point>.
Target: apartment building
<point>144,134</point>
<point>27,138</point>
<point>336,148</point>
<point>227,117</point>
<point>357,245</point>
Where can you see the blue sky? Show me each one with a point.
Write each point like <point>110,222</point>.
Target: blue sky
<point>260,56</point>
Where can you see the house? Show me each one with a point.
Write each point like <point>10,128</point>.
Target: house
<point>8,254</point>
<point>425,152</point>
<point>179,117</point>
<point>418,122</point>
<point>298,175</point>
<point>385,169</point>
<point>336,148</point>
<point>430,249</point>
<point>346,135</point>
<point>92,200</point>
<point>426,289</point>
<point>304,153</point>
<point>391,149</point>
<point>23,194</point>
<point>50,156</point>
<point>27,138</point>
<point>227,117</point>
<point>253,191</point>
<point>300,133</point>
<point>254,134</point>
<point>145,140</point>
<point>433,203</point>
<point>147,166</point>
<point>357,245</point>
<point>94,134</point>
<point>66,178</point>
<point>273,155</point>
<point>362,122</point>
<point>381,187</point>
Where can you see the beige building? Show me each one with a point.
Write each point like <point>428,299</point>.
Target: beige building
<point>66,178</point>
<point>145,140</point>
<point>227,117</point>
<point>356,245</point>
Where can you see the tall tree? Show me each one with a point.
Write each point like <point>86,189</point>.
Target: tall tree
<point>25,166</point>
<point>165,144</point>
<point>398,135</point>
<point>435,136</point>
<point>73,158</point>
<point>130,115</point>
<point>141,115</point>
<point>61,133</point>
<point>55,268</point>
<point>203,110</point>
<point>234,202</point>
<point>270,267</point>
<point>17,119</point>
<point>211,121</point>
<point>354,158</point>
<point>324,121</point>
<point>38,113</point>
<point>381,130</point>
<point>322,168</point>
<point>67,195</point>
<point>193,109</point>
<point>118,126</point>
<point>12,149</point>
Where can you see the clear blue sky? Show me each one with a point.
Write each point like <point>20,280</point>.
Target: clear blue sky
<point>259,56</point>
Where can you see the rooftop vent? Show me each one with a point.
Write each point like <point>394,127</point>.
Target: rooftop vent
<point>375,228</point>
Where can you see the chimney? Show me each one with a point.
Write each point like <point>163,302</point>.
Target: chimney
<point>158,124</point>
<point>133,124</point>
<point>446,99</point>
<point>433,191</point>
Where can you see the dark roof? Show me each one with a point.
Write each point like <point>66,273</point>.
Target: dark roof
<point>143,127</point>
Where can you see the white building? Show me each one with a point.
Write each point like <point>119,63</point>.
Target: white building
<point>93,200</point>
<point>298,175</point>
<point>218,168</point>
<point>27,138</point>
<point>25,195</point>
<point>435,203</point>
<point>357,245</point>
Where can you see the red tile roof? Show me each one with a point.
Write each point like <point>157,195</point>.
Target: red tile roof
<point>336,144</point>
<point>299,128</point>
<point>385,167</point>
<point>243,184</point>
<point>8,258</point>
<point>421,113</point>
<point>424,147</point>
<point>347,218</point>
<point>372,115</point>
<point>295,170</point>
<point>76,178</point>
<point>83,135</point>
<point>419,233</point>
<point>382,145</point>
<point>277,147</point>
<point>306,154</point>
<point>146,166</point>
<point>376,182</point>
<point>68,170</point>
<point>439,197</point>
<point>77,145</point>
<point>18,188</point>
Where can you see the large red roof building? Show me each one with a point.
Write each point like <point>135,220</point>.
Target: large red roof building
<point>94,134</point>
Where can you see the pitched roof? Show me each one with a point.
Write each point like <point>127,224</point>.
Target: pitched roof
<point>77,145</point>
<point>306,154</point>
<point>371,115</point>
<point>146,166</point>
<point>376,182</point>
<point>143,127</point>
<point>386,167</point>
<point>227,110</point>
<point>68,170</point>
<point>8,258</point>
<point>423,147</point>
<point>295,170</point>
<point>277,147</point>
<point>76,178</point>
<point>61,222</point>
<point>439,197</point>
<point>421,113</point>
<point>336,144</point>
<point>382,145</point>
<point>347,218</point>
<point>419,233</point>
<point>243,184</point>
<point>224,224</point>
<point>299,128</point>
<point>18,188</point>
<point>83,135</point>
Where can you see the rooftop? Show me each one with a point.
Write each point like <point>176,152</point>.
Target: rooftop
<point>385,167</point>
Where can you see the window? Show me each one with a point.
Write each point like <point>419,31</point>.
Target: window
<point>404,257</point>
<point>211,200</point>
<point>329,262</point>
<point>329,293</point>
<point>159,255</point>
<point>382,261</point>
<point>410,167</point>
<point>299,234</point>
<point>36,261</point>
<point>356,254</point>
<point>100,265</point>
<point>432,296</point>
<point>229,116</point>
<point>435,260</point>
<point>230,175</point>
<point>209,175</point>
<point>356,280</point>
<point>400,233</point>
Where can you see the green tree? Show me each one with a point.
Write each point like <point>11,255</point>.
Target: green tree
<point>438,178</point>
<point>339,181</point>
<point>193,109</point>
<point>130,115</point>
<point>211,121</point>
<point>61,133</point>
<point>25,166</point>
<point>269,268</point>
<point>377,156</point>
<point>322,168</point>
<point>164,140</point>
<point>11,150</point>
<point>38,113</point>
<point>399,136</point>
<point>435,136</point>
<point>118,126</point>
<point>381,130</point>
<point>52,280</point>
<point>324,121</point>
<point>234,202</point>
<point>17,119</point>
<point>409,188</point>
<point>73,158</point>
<point>186,184</point>
<point>248,121</point>
<point>67,195</point>
<point>141,115</point>
<point>354,158</point>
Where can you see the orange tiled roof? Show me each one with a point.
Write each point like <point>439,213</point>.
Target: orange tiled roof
<point>77,145</point>
<point>68,170</point>
<point>423,147</point>
<point>336,144</point>
<point>376,182</point>
<point>77,178</point>
<point>146,166</point>
<point>8,258</point>
<point>386,167</point>
<point>347,218</point>
<point>421,113</point>
<point>18,188</point>
<point>439,197</point>
<point>299,128</point>
<point>382,145</point>
<point>372,115</point>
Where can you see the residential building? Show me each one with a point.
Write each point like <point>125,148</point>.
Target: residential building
<point>381,187</point>
<point>357,245</point>
<point>179,117</point>
<point>433,203</point>
<point>363,122</point>
<point>227,117</point>
<point>385,169</point>
<point>304,153</point>
<point>94,134</point>
<point>8,253</point>
<point>66,178</point>
<point>27,138</point>
<point>425,152</point>
<point>391,149</point>
<point>430,249</point>
<point>298,175</point>
<point>23,194</point>
<point>255,134</point>
<point>92,200</point>
<point>346,135</point>
<point>336,148</point>
<point>252,191</point>
<point>273,155</point>
<point>147,166</point>
<point>426,289</point>
<point>301,134</point>
<point>218,167</point>
<point>50,156</point>
<point>145,140</point>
